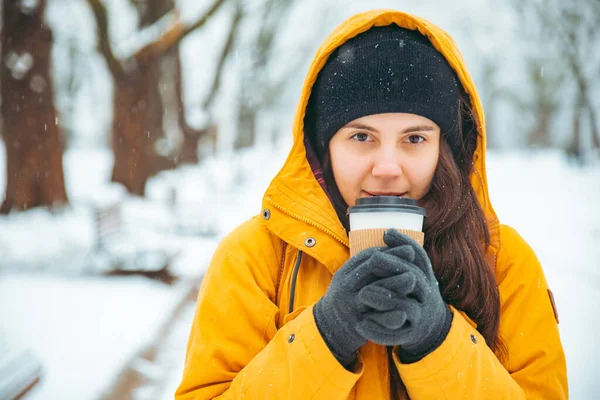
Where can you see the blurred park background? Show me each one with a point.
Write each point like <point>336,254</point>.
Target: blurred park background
<point>137,133</point>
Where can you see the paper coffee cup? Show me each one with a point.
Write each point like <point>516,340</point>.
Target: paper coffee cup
<point>370,217</point>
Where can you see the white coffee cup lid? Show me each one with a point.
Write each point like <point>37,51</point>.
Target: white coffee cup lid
<point>386,204</point>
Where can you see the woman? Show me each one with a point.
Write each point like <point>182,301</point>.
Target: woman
<point>388,108</point>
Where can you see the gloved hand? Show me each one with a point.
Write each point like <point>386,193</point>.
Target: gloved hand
<point>405,309</point>
<point>338,312</point>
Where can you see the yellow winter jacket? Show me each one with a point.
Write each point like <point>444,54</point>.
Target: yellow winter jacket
<point>245,341</point>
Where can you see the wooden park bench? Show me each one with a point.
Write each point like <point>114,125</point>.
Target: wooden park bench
<point>20,370</point>
<point>119,255</point>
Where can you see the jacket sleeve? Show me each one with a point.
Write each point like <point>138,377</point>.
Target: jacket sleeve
<point>235,349</point>
<point>534,366</point>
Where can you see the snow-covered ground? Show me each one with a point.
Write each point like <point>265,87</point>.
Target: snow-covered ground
<point>554,206</point>
<point>84,329</point>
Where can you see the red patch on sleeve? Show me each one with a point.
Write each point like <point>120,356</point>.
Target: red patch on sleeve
<point>551,296</point>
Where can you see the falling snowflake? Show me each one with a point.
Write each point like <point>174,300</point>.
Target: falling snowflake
<point>19,65</point>
<point>29,6</point>
<point>38,84</point>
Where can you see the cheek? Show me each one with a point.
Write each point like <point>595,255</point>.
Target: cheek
<point>348,171</point>
<point>422,172</point>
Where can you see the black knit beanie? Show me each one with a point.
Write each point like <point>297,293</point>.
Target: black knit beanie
<point>383,70</point>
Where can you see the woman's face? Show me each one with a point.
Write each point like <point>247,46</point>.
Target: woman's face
<point>385,154</point>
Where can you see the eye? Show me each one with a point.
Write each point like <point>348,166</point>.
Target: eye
<point>416,139</point>
<point>360,137</point>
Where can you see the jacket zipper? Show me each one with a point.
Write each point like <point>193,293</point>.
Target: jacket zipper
<point>283,248</point>
<point>322,228</point>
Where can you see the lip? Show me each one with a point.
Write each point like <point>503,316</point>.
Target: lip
<point>397,194</point>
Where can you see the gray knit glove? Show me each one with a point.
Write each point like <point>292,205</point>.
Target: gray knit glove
<point>338,312</point>
<point>405,309</point>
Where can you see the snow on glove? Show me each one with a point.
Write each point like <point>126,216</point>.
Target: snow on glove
<point>405,309</point>
<point>338,312</point>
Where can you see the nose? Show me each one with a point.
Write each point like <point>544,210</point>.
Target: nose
<point>387,163</point>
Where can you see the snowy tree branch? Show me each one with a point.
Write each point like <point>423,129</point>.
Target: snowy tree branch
<point>235,22</point>
<point>151,51</point>
<point>174,35</point>
<point>565,26</point>
<point>100,15</point>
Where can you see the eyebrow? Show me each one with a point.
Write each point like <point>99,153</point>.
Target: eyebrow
<point>416,128</point>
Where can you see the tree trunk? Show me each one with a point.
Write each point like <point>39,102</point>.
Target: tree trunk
<point>189,147</point>
<point>207,136</point>
<point>130,140</point>
<point>137,127</point>
<point>246,127</point>
<point>593,122</point>
<point>540,135</point>
<point>256,83</point>
<point>189,150</point>
<point>595,131</point>
<point>161,154</point>
<point>32,137</point>
<point>138,136</point>
<point>584,101</point>
<point>191,136</point>
<point>138,119</point>
<point>574,150</point>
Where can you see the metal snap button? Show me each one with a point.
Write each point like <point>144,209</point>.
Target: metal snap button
<point>474,338</point>
<point>291,338</point>
<point>310,242</point>
<point>266,213</point>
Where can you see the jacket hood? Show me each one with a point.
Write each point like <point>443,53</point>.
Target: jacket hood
<point>299,209</point>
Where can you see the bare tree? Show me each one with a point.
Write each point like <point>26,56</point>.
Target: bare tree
<point>545,102</point>
<point>208,133</point>
<point>572,29</point>
<point>579,32</point>
<point>257,90</point>
<point>138,120</point>
<point>491,92</point>
<point>31,134</point>
<point>575,149</point>
<point>226,51</point>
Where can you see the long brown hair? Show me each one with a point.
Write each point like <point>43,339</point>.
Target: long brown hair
<point>456,234</point>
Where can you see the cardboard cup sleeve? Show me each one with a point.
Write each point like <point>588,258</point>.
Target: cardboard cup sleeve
<point>361,239</point>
